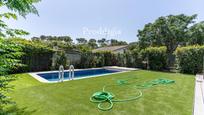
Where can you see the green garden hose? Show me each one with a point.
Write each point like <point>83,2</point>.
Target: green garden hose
<point>105,96</point>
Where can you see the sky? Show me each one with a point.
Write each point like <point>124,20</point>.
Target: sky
<point>111,19</point>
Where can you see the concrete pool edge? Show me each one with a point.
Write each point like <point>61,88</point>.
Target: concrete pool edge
<point>199,96</point>
<point>41,79</point>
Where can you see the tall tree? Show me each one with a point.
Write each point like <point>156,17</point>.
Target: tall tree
<point>170,31</point>
<point>102,42</point>
<point>10,52</point>
<point>196,33</point>
<point>114,42</point>
<point>81,40</point>
<point>93,43</point>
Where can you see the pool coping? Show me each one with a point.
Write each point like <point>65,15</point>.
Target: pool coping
<point>40,79</point>
<point>199,96</point>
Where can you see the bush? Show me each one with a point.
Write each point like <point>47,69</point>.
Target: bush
<point>156,57</point>
<point>62,59</point>
<point>190,59</point>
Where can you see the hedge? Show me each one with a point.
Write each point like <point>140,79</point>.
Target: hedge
<point>190,59</point>
<point>37,56</point>
<point>155,57</point>
<point>105,58</point>
<point>97,59</point>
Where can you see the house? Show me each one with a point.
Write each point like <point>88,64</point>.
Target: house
<point>113,49</point>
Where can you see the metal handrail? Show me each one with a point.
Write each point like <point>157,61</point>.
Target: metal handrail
<point>71,72</point>
<point>61,73</point>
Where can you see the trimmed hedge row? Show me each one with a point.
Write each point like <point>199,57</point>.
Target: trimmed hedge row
<point>155,57</point>
<point>190,59</point>
<point>100,59</point>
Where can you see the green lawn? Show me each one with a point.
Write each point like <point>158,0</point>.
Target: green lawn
<point>72,97</point>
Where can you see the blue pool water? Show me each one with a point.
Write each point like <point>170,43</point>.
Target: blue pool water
<point>77,74</point>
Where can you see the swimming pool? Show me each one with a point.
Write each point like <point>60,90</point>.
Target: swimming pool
<point>77,74</point>
<point>53,76</point>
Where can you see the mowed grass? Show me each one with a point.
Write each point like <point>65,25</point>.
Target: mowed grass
<point>72,97</point>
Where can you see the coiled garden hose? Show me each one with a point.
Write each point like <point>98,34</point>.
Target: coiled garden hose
<point>105,96</point>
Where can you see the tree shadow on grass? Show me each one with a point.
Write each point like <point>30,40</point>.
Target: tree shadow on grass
<point>14,110</point>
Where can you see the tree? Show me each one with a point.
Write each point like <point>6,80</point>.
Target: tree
<point>66,39</point>
<point>196,33</point>
<point>22,7</point>
<point>114,42</point>
<point>133,45</point>
<point>170,31</point>
<point>93,44</point>
<point>10,52</point>
<point>81,40</point>
<point>102,42</point>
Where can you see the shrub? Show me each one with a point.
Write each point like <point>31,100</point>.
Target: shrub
<point>62,59</point>
<point>156,57</point>
<point>190,59</point>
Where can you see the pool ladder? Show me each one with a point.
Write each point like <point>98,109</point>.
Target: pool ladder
<point>61,73</point>
<point>71,72</point>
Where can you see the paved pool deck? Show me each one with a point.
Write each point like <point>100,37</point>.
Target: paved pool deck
<point>199,96</point>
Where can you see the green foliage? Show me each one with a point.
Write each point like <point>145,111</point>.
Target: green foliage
<point>8,15</point>
<point>30,46</point>
<point>98,59</point>
<point>83,47</point>
<point>81,40</point>
<point>105,58</point>
<point>61,60</point>
<point>190,59</point>
<point>93,43</point>
<point>10,54</point>
<point>196,33</point>
<point>37,55</point>
<point>114,42</point>
<point>156,57</point>
<point>169,31</point>
<point>22,7</point>
<point>136,60</point>
<point>60,42</point>
<point>102,42</point>
<point>133,46</point>
<point>9,51</point>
